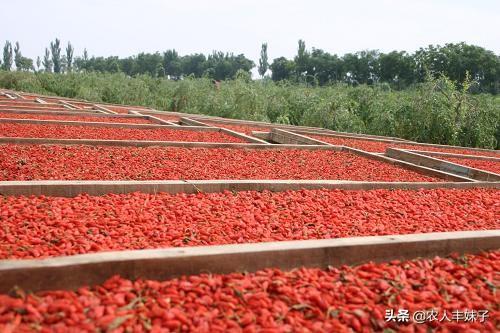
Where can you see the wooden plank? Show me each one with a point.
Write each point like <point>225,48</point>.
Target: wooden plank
<point>72,272</point>
<point>71,106</point>
<point>160,121</point>
<point>411,166</point>
<point>71,188</point>
<point>144,143</point>
<point>40,108</point>
<point>398,142</point>
<point>41,101</point>
<point>78,112</point>
<point>453,155</point>
<point>18,95</point>
<point>191,122</point>
<point>106,124</point>
<point>283,136</point>
<point>266,136</point>
<point>152,118</point>
<point>449,167</point>
<point>358,136</point>
<point>420,144</point>
<point>7,95</point>
<point>82,112</point>
<point>243,136</point>
<point>104,109</point>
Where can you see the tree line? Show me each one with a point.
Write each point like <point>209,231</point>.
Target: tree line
<point>218,65</point>
<point>399,69</point>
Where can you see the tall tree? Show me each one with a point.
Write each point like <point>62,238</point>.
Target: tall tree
<point>7,56</point>
<point>301,59</point>
<point>47,63</point>
<point>172,64</point>
<point>55,49</point>
<point>282,69</point>
<point>69,57</point>
<point>82,63</point>
<point>22,63</point>
<point>397,68</point>
<point>194,64</point>
<point>263,61</point>
<point>361,67</point>
<point>17,56</point>
<point>64,64</point>
<point>149,63</point>
<point>325,67</point>
<point>128,66</point>
<point>220,66</point>
<point>38,63</point>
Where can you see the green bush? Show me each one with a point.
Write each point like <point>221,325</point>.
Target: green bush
<point>436,111</point>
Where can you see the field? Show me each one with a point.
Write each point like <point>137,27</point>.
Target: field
<point>127,223</point>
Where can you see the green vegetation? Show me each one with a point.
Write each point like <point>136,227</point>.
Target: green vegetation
<point>436,111</point>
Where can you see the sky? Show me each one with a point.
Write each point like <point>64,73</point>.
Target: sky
<point>126,27</point>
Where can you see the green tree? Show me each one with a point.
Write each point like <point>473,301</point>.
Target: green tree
<point>263,61</point>
<point>194,64</point>
<point>361,67</point>
<point>324,67</point>
<point>222,66</point>
<point>240,62</point>
<point>149,63</point>
<point>218,66</point>
<point>22,63</point>
<point>69,57</point>
<point>81,63</point>
<point>456,60</point>
<point>397,68</point>
<point>26,64</point>
<point>64,64</point>
<point>7,56</point>
<point>47,63</point>
<point>302,59</point>
<point>17,56</point>
<point>55,49</point>
<point>103,65</point>
<point>128,66</point>
<point>282,69</point>
<point>172,64</point>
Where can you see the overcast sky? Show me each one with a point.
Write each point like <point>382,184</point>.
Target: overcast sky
<point>126,27</point>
